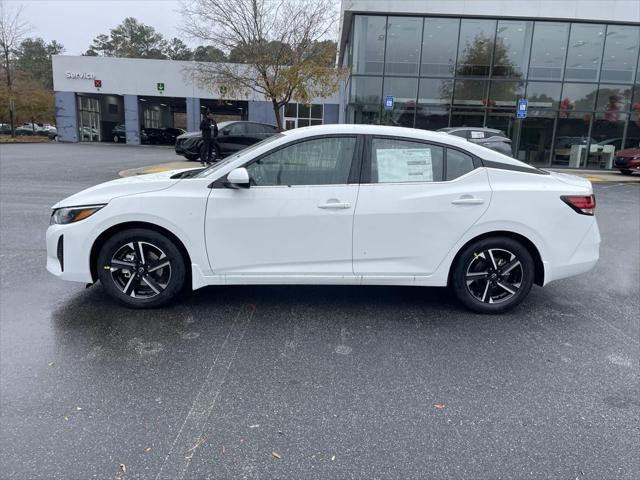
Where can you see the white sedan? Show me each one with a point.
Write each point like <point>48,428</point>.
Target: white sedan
<point>333,204</point>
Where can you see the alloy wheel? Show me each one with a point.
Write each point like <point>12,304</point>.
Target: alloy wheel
<point>140,269</point>
<point>494,275</point>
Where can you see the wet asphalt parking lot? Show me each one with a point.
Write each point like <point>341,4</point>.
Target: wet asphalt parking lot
<point>308,382</point>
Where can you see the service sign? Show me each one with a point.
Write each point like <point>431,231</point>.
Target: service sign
<point>80,75</point>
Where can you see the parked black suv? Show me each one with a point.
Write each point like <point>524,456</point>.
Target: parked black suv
<point>487,137</point>
<point>232,137</point>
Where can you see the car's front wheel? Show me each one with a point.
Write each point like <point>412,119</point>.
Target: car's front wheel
<point>141,268</point>
<point>191,157</point>
<point>493,275</point>
<point>626,172</point>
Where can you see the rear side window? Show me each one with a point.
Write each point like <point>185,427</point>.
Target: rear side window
<point>459,133</point>
<point>402,161</point>
<point>476,134</point>
<point>458,164</point>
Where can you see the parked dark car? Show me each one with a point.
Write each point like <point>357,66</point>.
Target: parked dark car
<point>487,137</point>
<point>628,161</point>
<point>154,136</point>
<point>232,137</point>
<point>119,134</point>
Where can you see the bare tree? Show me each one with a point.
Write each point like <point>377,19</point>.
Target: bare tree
<point>281,42</point>
<point>12,31</point>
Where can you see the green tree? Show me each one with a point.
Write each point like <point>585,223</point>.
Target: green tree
<point>130,39</point>
<point>33,59</point>
<point>176,49</point>
<point>208,54</point>
<point>12,30</point>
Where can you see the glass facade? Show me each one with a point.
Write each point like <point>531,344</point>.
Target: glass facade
<point>581,80</point>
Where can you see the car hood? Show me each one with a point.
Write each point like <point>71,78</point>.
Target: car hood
<point>629,152</point>
<point>189,135</point>
<point>105,192</point>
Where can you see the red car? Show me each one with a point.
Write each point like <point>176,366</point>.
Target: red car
<point>628,160</point>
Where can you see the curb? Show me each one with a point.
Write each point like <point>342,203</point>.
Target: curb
<point>162,167</point>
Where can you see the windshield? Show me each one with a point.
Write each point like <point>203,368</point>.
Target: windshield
<point>216,166</point>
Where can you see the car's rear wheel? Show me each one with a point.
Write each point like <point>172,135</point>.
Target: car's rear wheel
<point>626,172</point>
<point>493,275</point>
<point>141,268</point>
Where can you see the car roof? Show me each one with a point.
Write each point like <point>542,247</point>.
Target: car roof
<point>411,133</point>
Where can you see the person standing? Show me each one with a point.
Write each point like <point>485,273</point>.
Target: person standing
<point>209,129</point>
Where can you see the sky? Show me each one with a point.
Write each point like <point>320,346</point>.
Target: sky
<point>75,23</point>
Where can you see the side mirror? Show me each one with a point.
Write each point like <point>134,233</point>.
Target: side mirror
<point>238,178</point>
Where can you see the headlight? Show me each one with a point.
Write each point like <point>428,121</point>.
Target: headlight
<point>62,216</point>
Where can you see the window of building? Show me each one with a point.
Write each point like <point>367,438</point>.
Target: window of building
<point>439,46</point>
<point>548,50</point>
<point>319,161</point>
<point>432,117</point>
<point>511,54</point>
<point>585,52</point>
<point>476,47</point>
<point>578,96</point>
<point>366,90</point>
<point>613,98</point>
<point>536,134</point>
<point>434,91</point>
<point>544,95</point>
<point>404,92</point>
<point>298,115</point>
<point>369,33</point>
<point>572,139</point>
<point>620,53</point>
<point>468,117</point>
<point>505,93</point>
<point>470,92</point>
<point>403,45</point>
<point>458,164</point>
<point>400,161</point>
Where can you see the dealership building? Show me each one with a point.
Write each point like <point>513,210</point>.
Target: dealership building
<point>431,64</point>
<point>560,78</point>
<point>94,95</point>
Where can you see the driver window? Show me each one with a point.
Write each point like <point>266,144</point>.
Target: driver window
<point>320,161</point>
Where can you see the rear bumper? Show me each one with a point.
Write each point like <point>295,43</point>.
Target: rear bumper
<point>583,259</point>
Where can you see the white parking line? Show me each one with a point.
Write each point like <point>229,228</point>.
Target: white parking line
<point>189,438</point>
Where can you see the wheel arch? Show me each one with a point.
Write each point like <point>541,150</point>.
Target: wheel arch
<point>528,244</point>
<point>111,231</point>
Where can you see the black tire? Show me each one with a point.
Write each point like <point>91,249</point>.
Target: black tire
<point>153,286</point>
<point>482,287</point>
<point>191,157</point>
<point>626,172</point>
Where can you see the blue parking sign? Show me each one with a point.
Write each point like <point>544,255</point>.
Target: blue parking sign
<point>388,102</point>
<point>523,105</point>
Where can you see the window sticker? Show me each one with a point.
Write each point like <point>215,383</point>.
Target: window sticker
<point>477,134</point>
<point>404,165</point>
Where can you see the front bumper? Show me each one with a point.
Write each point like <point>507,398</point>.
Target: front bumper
<point>72,249</point>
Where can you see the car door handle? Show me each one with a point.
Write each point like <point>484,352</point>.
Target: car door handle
<point>335,205</point>
<point>468,200</point>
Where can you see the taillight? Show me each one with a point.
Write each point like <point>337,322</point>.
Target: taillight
<point>585,205</point>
